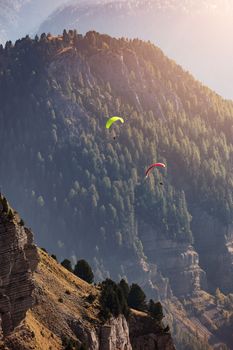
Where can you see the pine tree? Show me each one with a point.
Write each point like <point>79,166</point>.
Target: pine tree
<point>5,205</point>
<point>67,264</point>
<point>112,300</point>
<point>155,310</point>
<point>10,215</point>
<point>21,222</point>
<point>83,270</point>
<point>125,288</point>
<point>136,297</point>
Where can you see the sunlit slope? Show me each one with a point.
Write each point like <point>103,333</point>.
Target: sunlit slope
<point>61,299</point>
<point>66,311</point>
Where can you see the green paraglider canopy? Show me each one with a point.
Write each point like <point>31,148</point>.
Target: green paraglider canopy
<point>112,120</point>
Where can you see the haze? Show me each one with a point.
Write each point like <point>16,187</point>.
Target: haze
<point>196,34</point>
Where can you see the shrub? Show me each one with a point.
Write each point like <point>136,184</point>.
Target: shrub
<point>71,344</point>
<point>90,298</point>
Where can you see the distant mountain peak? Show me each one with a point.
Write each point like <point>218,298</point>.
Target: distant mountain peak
<point>170,24</point>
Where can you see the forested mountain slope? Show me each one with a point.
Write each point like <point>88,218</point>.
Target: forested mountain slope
<point>62,91</point>
<point>56,94</point>
<point>82,188</point>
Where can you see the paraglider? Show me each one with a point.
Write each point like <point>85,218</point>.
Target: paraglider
<point>112,120</point>
<point>152,166</point>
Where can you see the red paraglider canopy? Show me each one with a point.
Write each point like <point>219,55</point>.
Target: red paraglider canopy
<point>153,166</point>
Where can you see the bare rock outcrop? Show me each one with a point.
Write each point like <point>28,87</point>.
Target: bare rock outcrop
<point>178,261</point>
<point>18,259</point>
<point>115,335</point>
<point>214,243</point>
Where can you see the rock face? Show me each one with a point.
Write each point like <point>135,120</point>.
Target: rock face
<point>214,243</point>
<point>148,276</point>
<point>115,335</point>
<point>110,336</point>
<point>178,261</point>
<point>18,259</point>
<point>140,332</point>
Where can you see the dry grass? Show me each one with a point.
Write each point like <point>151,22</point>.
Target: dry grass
<point>138,313</point>
<point>50,318</point>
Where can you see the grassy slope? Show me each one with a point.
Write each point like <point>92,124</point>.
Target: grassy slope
<point>49,317</point>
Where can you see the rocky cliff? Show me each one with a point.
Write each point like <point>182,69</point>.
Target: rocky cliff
<point>63,314</point>
<point>18,260</point>
<point>178,261</point>
<point>213,242</point>
<point>53,309</point>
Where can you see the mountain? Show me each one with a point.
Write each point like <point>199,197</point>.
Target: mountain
<point>175,26</point>
<point>82,188</point>
<point>53,309</point>
<point>21,17</point>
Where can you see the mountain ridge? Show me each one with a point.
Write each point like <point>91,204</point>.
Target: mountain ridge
<point>167,24</point>
<point>84,192</point>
